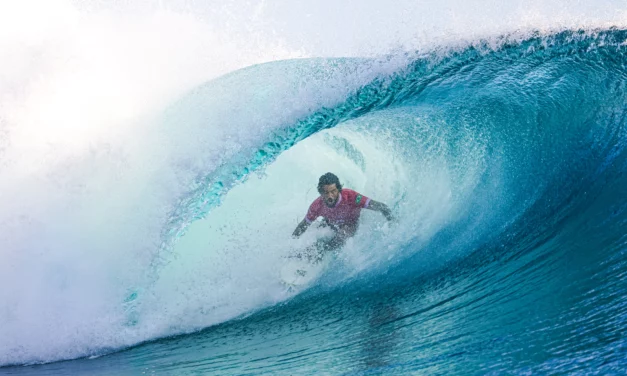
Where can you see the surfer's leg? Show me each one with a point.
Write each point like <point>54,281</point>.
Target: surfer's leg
<point>330,244</point>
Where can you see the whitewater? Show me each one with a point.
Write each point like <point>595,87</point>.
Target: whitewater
<point>155,159</point>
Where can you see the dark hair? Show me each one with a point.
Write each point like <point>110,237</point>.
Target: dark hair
<point>328,179</point>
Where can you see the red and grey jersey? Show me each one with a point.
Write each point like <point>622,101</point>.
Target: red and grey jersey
<point>345,212</point>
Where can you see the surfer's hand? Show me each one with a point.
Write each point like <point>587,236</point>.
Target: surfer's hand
<point>389,216</point>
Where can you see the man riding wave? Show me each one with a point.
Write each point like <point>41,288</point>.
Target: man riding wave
<point>340,207</point>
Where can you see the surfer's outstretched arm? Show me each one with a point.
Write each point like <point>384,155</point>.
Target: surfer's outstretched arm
<point>382,208</point>
<point>302,226</point>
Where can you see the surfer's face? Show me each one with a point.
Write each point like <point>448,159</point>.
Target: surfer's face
<point>330,194</point>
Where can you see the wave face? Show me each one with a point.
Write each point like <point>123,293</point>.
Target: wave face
<point>506,167</point>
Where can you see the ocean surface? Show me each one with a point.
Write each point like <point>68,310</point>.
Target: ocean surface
<point>503,159</point>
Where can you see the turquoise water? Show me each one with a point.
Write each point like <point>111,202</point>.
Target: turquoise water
<point>506,167</point>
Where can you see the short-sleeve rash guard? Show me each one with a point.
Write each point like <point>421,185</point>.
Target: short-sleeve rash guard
<point>345,212</point>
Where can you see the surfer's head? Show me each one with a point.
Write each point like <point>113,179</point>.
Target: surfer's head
<point>329,188</point>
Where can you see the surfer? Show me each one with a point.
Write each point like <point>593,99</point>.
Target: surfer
<point>340,207</point>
